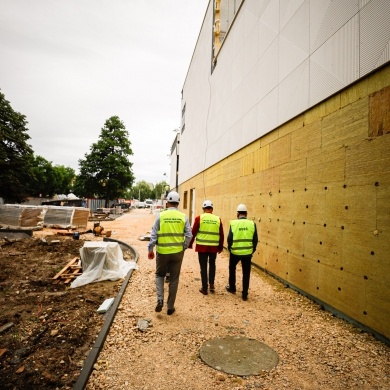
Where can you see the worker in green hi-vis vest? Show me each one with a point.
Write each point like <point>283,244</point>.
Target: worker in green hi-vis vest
<point>207,230</point>
<point>242,242</point>
<point>171,233</point>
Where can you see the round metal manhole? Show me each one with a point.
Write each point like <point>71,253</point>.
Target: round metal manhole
<point>238,355</point>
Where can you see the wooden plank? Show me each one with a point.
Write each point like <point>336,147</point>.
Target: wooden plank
<point>74,274</point>
<point>70,276</point>
<point>64,269</point>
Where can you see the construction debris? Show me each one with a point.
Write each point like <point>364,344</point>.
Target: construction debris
<point>69,272</point>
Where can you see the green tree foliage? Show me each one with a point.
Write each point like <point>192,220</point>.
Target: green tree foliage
<point>43,180</point>
<point>48,180</point>
<point>159,190</point>
<point>65,177</point>
<point>141,191</point>
<point>16,154</point>
<point>106,171</point>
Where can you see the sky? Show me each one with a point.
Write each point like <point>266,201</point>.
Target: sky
<point>69,65</point>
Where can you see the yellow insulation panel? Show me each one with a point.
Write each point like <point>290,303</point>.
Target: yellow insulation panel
<point>318,189</point>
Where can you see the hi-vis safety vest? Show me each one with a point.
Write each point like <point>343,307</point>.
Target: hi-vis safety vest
<point>208,233</point>
<point>170,237</point>
<point>243,230</point>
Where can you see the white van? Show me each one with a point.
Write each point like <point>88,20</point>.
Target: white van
<point>148,203</point>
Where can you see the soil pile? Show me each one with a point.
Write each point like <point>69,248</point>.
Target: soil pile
<point>47,329</point>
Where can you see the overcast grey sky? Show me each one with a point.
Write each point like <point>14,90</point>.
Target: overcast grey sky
<point>69,65</point>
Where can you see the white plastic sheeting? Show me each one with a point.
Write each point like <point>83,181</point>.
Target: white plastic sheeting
<point>102,261</point>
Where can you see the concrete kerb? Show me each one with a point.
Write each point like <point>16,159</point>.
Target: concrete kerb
<point>94,353</point>
<point>16,233</point>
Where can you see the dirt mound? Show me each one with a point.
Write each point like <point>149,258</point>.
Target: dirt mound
<point>46,329</point>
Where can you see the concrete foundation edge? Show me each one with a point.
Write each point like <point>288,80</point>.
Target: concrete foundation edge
<point>327,307</point>
<point>110,315</point>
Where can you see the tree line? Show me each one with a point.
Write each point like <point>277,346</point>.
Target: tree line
<point>104,172</point>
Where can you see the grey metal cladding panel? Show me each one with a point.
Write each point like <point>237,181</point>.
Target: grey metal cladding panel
<point>294,41</point>
<point>289,9</point>
<point>294,93</point>
<point>363,3</point>
<point>322,83</point>
<point>337,15</point>
<point>336,63</point>
<point>374,35</point>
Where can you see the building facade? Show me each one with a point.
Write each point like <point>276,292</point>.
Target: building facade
<point>286,108</point>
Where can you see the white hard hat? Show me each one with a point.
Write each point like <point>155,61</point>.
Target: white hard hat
<point>207,203</point>
<point>241,207</point>
<point>173,197</point>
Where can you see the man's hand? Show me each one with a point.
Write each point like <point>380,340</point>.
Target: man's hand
<point>151,255</point>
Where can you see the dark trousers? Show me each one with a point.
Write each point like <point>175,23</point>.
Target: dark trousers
<point>206,258</point>
<point>173,263</point>
<point>246,272</point>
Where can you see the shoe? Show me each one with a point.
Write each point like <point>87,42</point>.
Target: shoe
<point>171,311</point>
<point>159,306</point>
<point>212,289</point>
<point>228,289</point>
<point>203,291</point>
<point>245,297</point>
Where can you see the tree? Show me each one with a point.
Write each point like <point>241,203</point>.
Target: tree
<point>106,171</point>
<point>159,189</point>
<point>48,180</point>
<point>65,177</point>
<point>43,180</point>
<point>142,191</point>
<point>16,155</point>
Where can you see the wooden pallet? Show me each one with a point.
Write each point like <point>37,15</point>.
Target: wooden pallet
<point>69,272</point>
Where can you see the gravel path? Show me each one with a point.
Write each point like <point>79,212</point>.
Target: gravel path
<point>316,350</point>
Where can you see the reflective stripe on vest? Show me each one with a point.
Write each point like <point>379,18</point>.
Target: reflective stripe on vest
<point>243,230</point>
<point>208,233</point>
<point>170,237</point>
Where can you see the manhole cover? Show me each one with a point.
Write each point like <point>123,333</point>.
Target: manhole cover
<point>238,355</point>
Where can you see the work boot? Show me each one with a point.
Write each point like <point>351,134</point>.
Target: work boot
<point>228,289</point>
<point>212,289</point>
<point>159,306</point>
<point>203,291</point>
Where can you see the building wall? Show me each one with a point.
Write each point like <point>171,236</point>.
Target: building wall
<point>318,188</point>
<point>278,59</point>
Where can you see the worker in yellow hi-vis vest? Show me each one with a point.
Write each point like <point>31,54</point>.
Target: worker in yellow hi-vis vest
<point>208,232</point>
<point>171,233</point>
<point>242,242</point>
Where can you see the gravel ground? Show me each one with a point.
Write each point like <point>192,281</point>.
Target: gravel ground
<point>316,350</point>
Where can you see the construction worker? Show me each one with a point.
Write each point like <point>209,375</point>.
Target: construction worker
<point>242,242</point>
<point>171,233</point>
<point>208,232</point>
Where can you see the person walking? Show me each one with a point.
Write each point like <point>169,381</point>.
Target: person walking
<point>242,242</point>
<point>171,234</point>
<point>208,232</point>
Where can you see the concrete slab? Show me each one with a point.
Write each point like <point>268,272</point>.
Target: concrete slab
<point>15,233</point>
<point>240,356</point>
